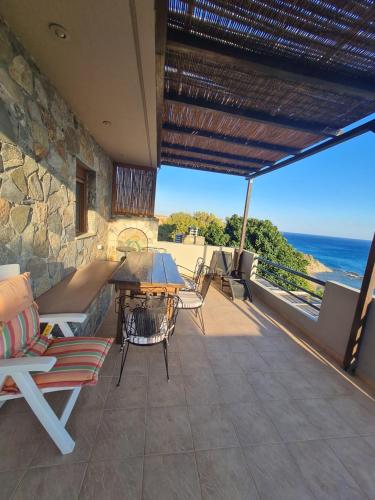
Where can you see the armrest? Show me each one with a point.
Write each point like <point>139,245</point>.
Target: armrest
<point>63,318</point>
<point>26,364</point>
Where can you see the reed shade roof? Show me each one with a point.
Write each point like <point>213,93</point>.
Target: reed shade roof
<point>248,83</point>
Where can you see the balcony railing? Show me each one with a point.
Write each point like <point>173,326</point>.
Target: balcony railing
<point>268,270</point>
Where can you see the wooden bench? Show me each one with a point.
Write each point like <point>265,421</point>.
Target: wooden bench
<point>69,300</point>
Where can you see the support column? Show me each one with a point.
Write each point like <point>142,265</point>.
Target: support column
<point>359,320</point>
<point>244,222</point>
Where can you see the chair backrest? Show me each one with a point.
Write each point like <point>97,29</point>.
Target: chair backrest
<point>198,270</point>
<point>207,279</point>
<point>149,315</point>
<point>9,271</point>
<point>132,237</point>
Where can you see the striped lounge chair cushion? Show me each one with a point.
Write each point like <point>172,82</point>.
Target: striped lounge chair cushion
<point>79,360</point>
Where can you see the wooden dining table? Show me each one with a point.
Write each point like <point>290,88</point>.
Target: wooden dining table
<point>143,272</point>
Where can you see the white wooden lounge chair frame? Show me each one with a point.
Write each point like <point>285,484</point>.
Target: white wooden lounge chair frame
<point>20,370</point>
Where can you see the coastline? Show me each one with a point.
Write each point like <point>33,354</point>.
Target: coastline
<point>316,266</point>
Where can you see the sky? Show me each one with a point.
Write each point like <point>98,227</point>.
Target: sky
<point>331,194</point>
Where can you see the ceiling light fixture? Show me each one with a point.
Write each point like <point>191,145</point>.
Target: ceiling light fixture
<point>58,31</point>
<point>107,123</point>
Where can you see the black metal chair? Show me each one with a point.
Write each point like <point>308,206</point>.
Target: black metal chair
<point>194,300</point>
<point>147,320</point>
<point>192,281</point>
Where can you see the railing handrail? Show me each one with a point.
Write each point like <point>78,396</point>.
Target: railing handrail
<point>292,271</point>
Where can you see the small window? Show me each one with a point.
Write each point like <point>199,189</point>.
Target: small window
<point>81,199</point>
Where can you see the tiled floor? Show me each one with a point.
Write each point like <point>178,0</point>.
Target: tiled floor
<point>249,413</point>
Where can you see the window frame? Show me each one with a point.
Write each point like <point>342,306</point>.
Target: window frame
<point>82,179</point>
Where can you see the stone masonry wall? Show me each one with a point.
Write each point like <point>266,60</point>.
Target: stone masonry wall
<point>40,139</point>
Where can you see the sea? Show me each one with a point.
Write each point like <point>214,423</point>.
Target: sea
<point>346,257</point>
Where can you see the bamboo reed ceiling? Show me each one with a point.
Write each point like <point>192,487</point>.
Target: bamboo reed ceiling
<point>248,83</point>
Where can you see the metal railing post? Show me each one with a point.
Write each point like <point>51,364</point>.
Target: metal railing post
<point>244,222</point>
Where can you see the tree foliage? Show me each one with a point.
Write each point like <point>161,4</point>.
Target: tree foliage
<point>262,237</point>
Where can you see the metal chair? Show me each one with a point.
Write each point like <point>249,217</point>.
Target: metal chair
<point>194,300</point>
<point>192,282</point>
<point>147,320</point>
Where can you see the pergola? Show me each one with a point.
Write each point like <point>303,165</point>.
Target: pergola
<point>246,87</point>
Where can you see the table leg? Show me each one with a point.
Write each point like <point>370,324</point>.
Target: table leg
<point>119,318</point>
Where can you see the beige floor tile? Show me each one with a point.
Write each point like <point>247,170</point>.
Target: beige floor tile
<point>328,383</point>
<point>162,392</point>
<point>82,426</point>
<point>190,343</point>
<point>121,435</point>
<point>325,418</point>
<point>201,388</point>
<point>357,411</point>
<point>168,430</point>
<point>327,478</point>
<point>113,479</point>
<point>93,397</point>
<point>249,361</point>
<point>224,475</point>
<point>275,473</point>
<point>278,342</point>
<point>211,427</point>
<point>20,436</point>
<point>136,361</point>
<point>295,384</point>
<point>224,362</point>
<point>111,365</point>
<point>234,388</point>
<point>171,477</point>
<point>290,421</point>
<point>252,424</point>
<point>59,482</point>
<point>266,386</point>
<point>8,483</point>
<point>358,457</point>
<point>132,392</point>
<point>156,364</point>
<point>194,362</point>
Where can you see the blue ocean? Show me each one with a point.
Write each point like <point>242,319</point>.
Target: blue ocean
<point>346,257</point>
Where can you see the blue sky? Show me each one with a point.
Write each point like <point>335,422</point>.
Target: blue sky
<point>332,193</point>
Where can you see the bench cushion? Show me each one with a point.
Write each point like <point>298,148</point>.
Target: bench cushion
<point>78,362</point>
<point>76,292</point>
<point>15,296</point>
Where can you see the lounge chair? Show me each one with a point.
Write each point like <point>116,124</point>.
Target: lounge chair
<point>32,365</point>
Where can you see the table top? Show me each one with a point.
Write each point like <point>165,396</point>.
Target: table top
<point>147,269</point>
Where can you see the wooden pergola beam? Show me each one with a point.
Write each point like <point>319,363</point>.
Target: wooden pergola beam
<point>219,53</point>
<point>247,170</point>
<point>210,152</point>
<point>218,170</point>
<point>243,141</point>
<point>161,18</point>
<point>252,115</point>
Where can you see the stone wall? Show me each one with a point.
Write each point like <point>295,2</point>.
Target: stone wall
<point>40,140</point>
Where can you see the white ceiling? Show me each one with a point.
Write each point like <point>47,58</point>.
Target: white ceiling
<point>105,71</point>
